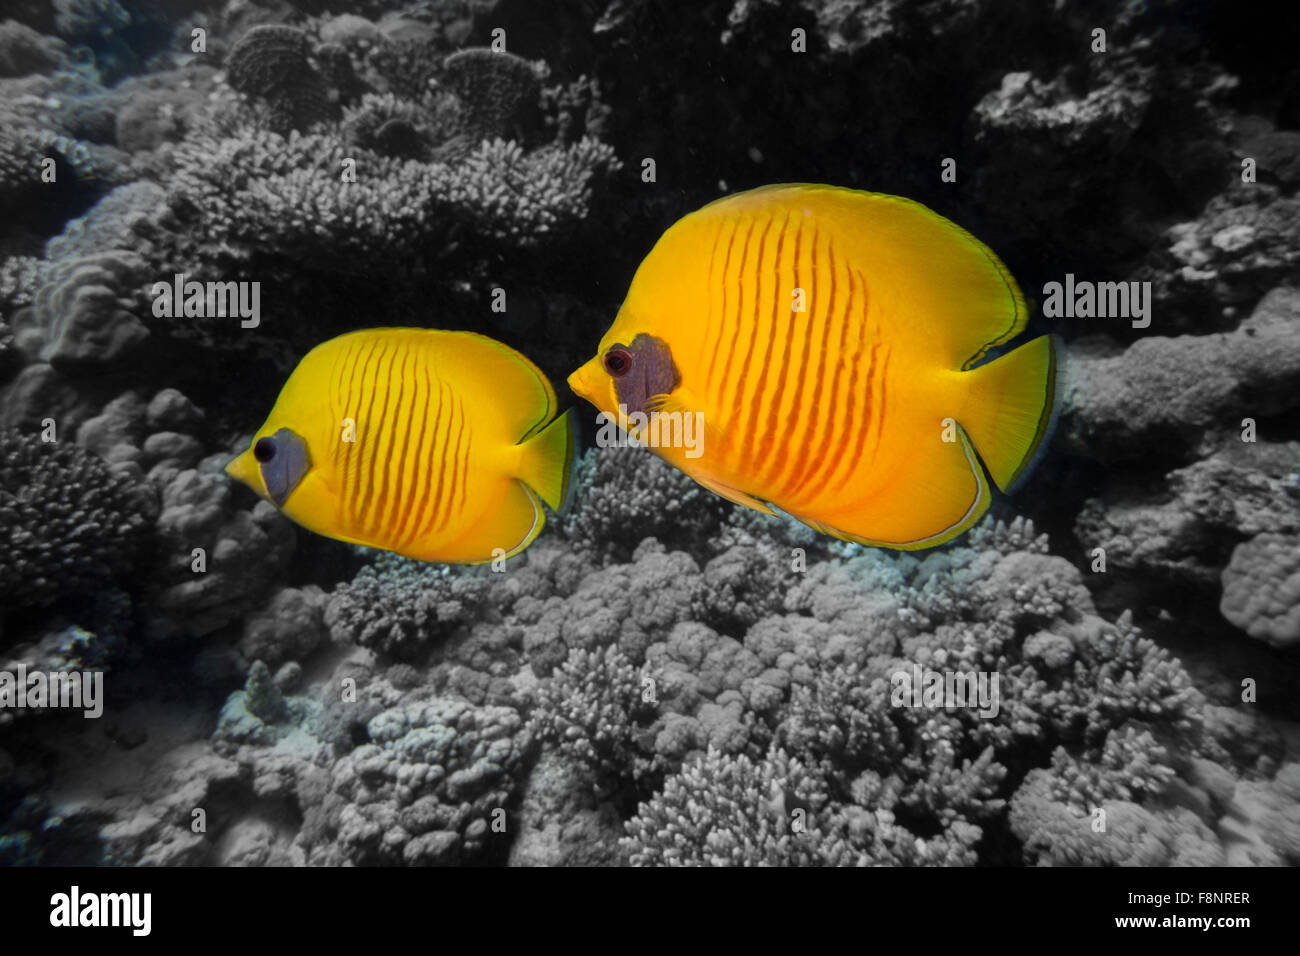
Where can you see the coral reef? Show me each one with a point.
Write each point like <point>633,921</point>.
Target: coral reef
<point>72,524</point>
<point>1101,673</point>
<point>1261,588</point>
<point>428,789</point>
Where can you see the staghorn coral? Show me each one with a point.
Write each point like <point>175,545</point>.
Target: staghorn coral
<point>256,188</point>
<point>922,771</point>
<point>594,711</point>
<point>71,523</point>
<point>524,198</point>
<point>729,810</point>
<point>1261,588</point>
<point>1131,766</point>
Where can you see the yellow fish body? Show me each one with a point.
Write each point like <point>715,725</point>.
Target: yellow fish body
<point>432,444</point>
<point>828,341</point>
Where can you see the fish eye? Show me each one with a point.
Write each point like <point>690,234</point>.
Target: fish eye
<point>618,362</point>
<point>264,450</point>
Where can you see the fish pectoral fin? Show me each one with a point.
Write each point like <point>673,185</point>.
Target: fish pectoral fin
<point>666,403</point>
<point>737,497</point>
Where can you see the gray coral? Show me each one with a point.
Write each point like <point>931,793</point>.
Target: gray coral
<point>70,523</point>
<point>433,787</point>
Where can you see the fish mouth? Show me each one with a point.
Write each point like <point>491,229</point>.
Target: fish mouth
<point>581,381</point>
<point>244,469</point>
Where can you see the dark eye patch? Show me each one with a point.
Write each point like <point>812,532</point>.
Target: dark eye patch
<point>286,465</point>
<point>652,373</point>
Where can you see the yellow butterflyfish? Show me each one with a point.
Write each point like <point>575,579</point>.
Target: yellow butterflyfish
<point>436,445</point>
<point>833,343</point>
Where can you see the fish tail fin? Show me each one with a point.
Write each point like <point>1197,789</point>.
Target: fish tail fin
<point>547,461</point>
<point>1010,408</point>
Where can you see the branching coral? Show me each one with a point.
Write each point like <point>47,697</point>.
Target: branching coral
<point>69,522</point>
<point>729,810</point>
<point>626,494</point>
<point>398,605</point>
<point>594,709</point>
<point>257,189</point>
<point>521,197</point>
<point>1119,833</point>
<point>262,191</point>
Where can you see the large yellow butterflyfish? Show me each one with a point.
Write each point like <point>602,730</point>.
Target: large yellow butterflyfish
<point>835,346</point>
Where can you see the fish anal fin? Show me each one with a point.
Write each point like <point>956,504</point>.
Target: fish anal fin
<point>950,474</point>
<point>735,496</point>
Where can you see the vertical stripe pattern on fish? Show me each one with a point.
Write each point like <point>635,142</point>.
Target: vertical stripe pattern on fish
<point>436,445</point>
<point>833,342</point>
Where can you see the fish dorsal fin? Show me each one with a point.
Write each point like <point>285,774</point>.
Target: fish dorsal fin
<point>935,285</point>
